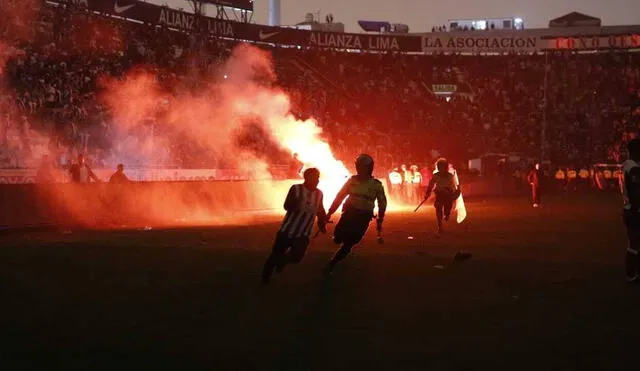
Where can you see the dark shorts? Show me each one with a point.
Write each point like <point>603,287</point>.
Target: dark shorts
<point>352,226</point>
<point>297,246</point>
<point>445,199</point>
<point>447,194</point>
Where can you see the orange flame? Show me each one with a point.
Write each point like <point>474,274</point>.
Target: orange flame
<point>303,138</point>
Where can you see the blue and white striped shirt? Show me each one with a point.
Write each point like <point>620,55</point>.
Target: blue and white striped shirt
<point>302,205</point>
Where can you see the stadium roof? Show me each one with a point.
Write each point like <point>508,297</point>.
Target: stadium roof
<point>374,26</point>
<point>575,19</point>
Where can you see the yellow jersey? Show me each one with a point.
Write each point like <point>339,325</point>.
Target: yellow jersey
<point>362,195</point>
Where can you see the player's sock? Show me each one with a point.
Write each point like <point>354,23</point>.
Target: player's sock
<point>342,253</point>
<point>267,270</point>
<point>282,263</point>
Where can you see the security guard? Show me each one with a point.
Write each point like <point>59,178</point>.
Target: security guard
<point>608,176</point>
<point>631,214</point>
<point>572,178</point>
<point>395,183</point>
<point>584,175</point>
<point>599,179</point>
<point>561,180</point>
<point>363,191</point>
<point>406,183</point>
<point>616,175</point>
<point>416,180</point>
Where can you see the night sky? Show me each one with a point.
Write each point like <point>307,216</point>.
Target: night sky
<point>421,15</point>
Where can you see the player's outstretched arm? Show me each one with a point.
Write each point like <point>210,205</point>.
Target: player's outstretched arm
<point>344,192</point>
<point>322,217</point>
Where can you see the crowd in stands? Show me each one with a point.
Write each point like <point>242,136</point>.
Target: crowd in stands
<point>577,109</point>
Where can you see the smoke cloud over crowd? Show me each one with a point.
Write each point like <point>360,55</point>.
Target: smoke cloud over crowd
<point>232,117</point>
<point>237,117</point>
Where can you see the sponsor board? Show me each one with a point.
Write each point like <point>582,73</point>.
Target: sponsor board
<point>178,19</point>
<point>477,42</point>
<point>480,43</point>
<point>631,41</point>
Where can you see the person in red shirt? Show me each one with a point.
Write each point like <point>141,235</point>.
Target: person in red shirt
<point>534,180</point>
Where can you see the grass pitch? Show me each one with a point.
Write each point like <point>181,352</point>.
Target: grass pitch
<point>544,290</point>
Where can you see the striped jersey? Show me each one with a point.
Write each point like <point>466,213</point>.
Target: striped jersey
<point>302,205</point>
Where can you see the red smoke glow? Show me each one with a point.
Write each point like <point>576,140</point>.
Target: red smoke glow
<point>239,121</point>
<point>212,120</point>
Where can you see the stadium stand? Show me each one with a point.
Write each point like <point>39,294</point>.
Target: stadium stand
<point>383,103</point>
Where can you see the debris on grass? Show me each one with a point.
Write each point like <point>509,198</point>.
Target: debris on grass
<point>461,257</point>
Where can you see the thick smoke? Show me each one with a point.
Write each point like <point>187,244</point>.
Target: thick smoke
<point>17,138</point>
<point>237,119</point>
<point>232,118</point>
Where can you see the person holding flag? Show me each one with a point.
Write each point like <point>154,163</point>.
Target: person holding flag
<point>362,191</point>
<point>395,184</point>
<point>447,190</point>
